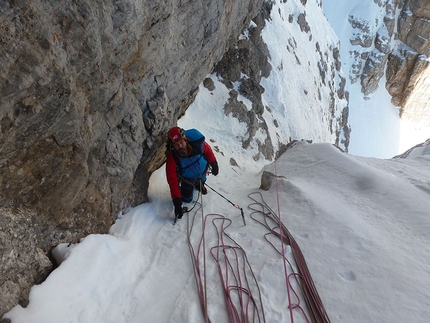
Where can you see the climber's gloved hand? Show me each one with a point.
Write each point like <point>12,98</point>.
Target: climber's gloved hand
<point>215,168</point>
<point>177,202</point>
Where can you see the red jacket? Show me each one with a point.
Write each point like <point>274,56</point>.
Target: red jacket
<point>171,169</point>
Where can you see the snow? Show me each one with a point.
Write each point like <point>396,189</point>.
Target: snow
<point>361,222</point>
<point>294,99</point>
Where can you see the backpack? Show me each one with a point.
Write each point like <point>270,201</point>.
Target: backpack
<point>196,164</point>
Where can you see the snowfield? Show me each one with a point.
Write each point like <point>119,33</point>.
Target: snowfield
<point>362,224</point>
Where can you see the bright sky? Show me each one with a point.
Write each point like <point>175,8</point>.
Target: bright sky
<point>361,223</point>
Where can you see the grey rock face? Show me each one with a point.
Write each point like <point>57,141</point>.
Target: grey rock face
<point>374,40</point>
<point>398,67</point>
<point>248,62</point>
<point>87,91</point>
<point>420,8</point>
<point>85,86</point>
<point>372,61</point>
<point>400,54</point>
<point>363,36</point>
<point>373,71</point>
<point>22,255</point>
<point>407,68</point>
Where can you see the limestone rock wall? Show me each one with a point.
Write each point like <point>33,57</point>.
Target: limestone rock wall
<point>398,48</point>
<point>88,89</point>
<point>408,75</point>
<point>373,43</point>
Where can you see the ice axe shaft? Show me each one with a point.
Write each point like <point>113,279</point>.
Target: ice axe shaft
<point>235,205</point>
<point>184,210</point>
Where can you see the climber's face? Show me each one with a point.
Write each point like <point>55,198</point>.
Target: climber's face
<point>181,147</point>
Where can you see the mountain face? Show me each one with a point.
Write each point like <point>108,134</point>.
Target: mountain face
<point>395,45</point>
<point>89,89</point>
<point>407,68</point>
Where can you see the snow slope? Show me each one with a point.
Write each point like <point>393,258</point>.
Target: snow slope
<point>362,223</point>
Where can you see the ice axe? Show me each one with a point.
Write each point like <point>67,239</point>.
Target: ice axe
<point>235,205</point>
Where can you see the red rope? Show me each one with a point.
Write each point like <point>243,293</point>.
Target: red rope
<point>199,275</point>
<point>234,276</point>
<point>303,277</point>
<point>241,293</point>
<point>281,232</point>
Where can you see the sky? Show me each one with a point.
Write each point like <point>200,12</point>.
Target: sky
<point>361,224</point>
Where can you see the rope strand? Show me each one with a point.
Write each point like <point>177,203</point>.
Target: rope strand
<point>242,294</point>
<point>303,277</point>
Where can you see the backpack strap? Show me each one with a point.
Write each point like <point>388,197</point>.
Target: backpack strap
<point>196,140</point>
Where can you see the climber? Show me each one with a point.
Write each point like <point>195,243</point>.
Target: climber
<point>188,159</point>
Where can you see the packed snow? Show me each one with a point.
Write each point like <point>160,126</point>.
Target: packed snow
<point>362,224</point>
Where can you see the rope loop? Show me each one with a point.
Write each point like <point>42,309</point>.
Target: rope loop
<point>265,216</point>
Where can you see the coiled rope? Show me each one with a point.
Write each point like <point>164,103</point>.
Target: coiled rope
<point>198,258</point>
<point>264,215</point>
<point>242,294</point>
<point>241,291</point>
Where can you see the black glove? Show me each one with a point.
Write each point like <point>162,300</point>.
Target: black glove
<point>215,168</point>
<point>177,202</point>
